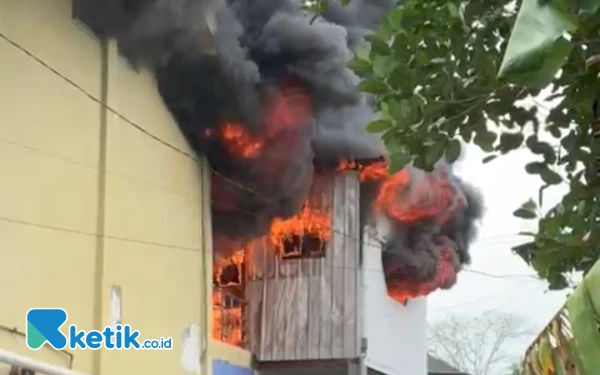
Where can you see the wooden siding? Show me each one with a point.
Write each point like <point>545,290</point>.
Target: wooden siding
<point>306,309</point>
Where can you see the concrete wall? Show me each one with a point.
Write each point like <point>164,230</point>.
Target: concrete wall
<point>90,199</point>
<point>396,334</point>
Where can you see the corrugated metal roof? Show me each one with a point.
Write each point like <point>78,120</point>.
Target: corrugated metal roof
<point>436,366</point>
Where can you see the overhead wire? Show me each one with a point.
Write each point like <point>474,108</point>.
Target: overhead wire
<point>379,244</point>
<point>169,145</point>
<point>509,291</point>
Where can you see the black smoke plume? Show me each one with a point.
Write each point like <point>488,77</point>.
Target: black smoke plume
<point>219,62</point>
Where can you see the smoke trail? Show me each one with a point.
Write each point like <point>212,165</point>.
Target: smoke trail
<point>264,92</point>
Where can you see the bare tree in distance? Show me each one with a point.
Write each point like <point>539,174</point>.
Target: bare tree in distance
<point>514,369</point>
<point>477,345</point>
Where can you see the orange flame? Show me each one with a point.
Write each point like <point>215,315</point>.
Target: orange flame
<point>375,171</point>
<point>403,290</point>
<point>227,316</point>
<point>309,222</point>
<point>288,109</point>
<point>409,196</point>
<point>227,322</point>
<point>237,260</point>
<point>239,142</point>
<point>433,197</point>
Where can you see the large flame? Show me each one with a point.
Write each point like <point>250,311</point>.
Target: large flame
<point>227,321</point>
<point>285,110</point>
<point>410,197</point>
<point>375,171</point>
<point>227,307</point>
<point>239,142</point>
<point>407,198</point>
<point>311,222</point>
<point>402,289</point>
<point>432,197</point>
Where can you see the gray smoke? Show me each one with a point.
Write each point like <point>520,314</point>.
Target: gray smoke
<point>413,250</point>
<point>223,62</point>
<point>220,61</point>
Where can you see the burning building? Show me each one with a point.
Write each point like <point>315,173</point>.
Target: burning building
<point>261,89</point>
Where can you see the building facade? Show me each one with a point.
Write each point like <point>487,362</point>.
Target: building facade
<point>395,333</point>
<point>105,210</point>
<point>106,213</point>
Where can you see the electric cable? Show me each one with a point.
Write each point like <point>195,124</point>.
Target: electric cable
<point>173,147</point>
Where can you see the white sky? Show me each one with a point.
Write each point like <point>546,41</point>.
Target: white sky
<point>505,186</point>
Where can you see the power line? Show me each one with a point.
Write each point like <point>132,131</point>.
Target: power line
<point>378,245</point>
<point>501,276</point>
<point>187,154</point>
<point>506,292</point>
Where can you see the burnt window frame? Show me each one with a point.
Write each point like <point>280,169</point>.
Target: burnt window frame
<point>306,252</point>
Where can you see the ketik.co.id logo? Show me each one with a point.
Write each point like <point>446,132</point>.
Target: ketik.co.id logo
<point>43,326</point>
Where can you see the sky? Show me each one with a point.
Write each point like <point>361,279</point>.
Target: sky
<point>505,186</point>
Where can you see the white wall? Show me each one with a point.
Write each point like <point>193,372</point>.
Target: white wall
<point>396,334</point>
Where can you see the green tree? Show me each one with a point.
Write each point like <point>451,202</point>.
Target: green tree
<point>433,67</point>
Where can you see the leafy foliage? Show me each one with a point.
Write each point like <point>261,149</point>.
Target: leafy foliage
<point>569,344</point>
<point>433,68</point>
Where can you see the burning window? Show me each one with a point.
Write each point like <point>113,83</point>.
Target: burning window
<point>306,234</point>
<point>228,297</point>
<point>227,317</point>
<point>303,246</point>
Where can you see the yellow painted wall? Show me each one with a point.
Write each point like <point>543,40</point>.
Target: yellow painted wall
<point>89,201</point>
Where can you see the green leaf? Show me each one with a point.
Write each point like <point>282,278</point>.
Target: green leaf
<point>378,45</point>
<point>541,148</point>
<point>383,65</point>
<point>453,151</point>
<point>317,6</point>
<point>527,210</point>
<point>345,2</point>
<point>453,10</point>
<point>395,18</point>
<point>535,167</point>
<point>420,163</point>
<point>511,141</point>
<point>401,79</point>
<point>582,313</point>
<point>485,139</point>
<point>373,86</point>
<point>546,356</point>
<point>489,158</point>
<point>537,49</point>
<point>550,177</point>
<point>379,126</point>
<point>362,52</point>
<point>398,109</point>
<point>588,6</point>
<point>398,161</point>
<point>524,214</point>
<point>529,205</point>
<point>359,65</point>
<point>434,154</point>
<point>466,133</point>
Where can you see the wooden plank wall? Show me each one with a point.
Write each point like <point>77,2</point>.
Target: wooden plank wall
<point>306,309</point>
